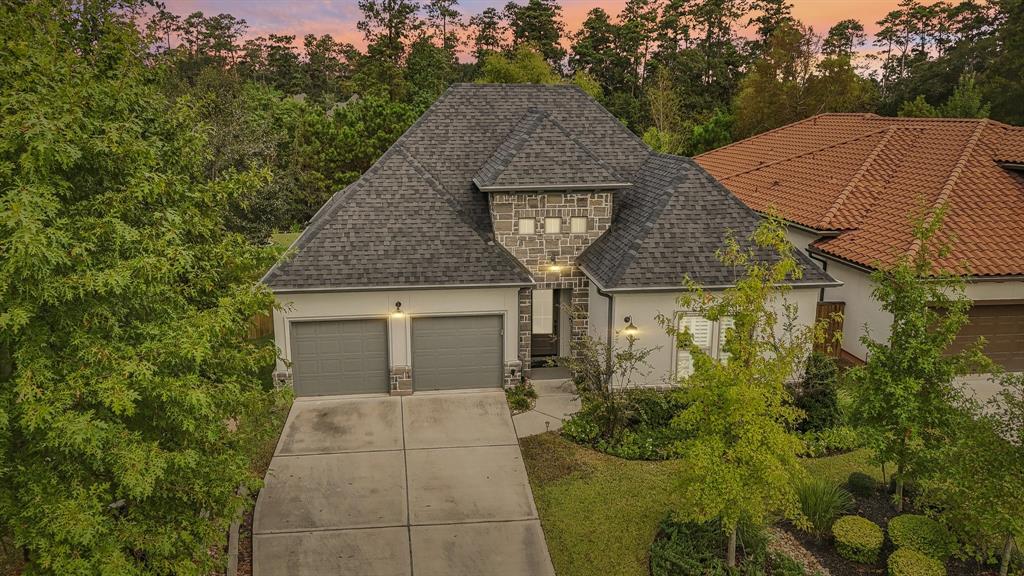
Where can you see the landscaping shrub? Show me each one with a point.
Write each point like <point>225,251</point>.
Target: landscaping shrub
<point>829,441</point>
<point>691,548</point>
<point>699,549</point>
<point>581,429</point>
<point>521,396</point>
<point>858,539</point>
<point>645,432</point>
<point>817,394</point>
<point>922,534</point>
<point>909,562</point>
<point>822,502</point>
<point>861,484</point>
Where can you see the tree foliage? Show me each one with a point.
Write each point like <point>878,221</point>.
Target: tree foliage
<point>130,391</point>
<point>905,395</point>
<point>741,454</point>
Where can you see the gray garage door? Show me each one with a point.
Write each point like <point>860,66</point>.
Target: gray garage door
<point>340,357</point>
<point>455,352</point>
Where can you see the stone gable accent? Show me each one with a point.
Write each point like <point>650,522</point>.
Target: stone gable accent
<point>536,250</point>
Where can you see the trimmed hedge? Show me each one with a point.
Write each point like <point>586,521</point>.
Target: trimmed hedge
<point>908,562</point>
<point>922,534</point>
<point>858,539</point>
<point>862,484</point>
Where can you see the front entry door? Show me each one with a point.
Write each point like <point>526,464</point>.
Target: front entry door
<point>544,340</point>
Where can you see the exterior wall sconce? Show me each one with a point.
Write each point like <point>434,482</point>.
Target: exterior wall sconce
<point>630,329</point>
<point>553,266</point>
<point>398,311</point>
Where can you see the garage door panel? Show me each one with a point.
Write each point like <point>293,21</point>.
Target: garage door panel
<point>1002,326</point>
<point>456,352</point>
<point>339,357</point>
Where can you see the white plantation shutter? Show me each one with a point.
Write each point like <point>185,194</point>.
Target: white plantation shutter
<point>723,328</point>
<point>543,308</point>
<point>700,328</point>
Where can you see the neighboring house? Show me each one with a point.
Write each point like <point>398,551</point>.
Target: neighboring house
<point>850,185</point>
<point>453,262</point>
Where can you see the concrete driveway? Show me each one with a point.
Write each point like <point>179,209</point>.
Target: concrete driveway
<point>424,485</point>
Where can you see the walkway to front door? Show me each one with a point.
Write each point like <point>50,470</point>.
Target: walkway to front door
<point>424,485</point>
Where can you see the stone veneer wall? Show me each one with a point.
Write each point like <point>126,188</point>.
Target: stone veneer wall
<point>536,250</point>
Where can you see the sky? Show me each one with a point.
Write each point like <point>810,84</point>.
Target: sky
<point>338,17</point>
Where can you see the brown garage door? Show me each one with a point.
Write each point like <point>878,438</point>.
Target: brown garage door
<point>1002,326</point>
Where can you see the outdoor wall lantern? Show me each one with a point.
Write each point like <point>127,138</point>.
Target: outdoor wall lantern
<point>630,329</point>
<point>398,311</point>
<point>553,265</point>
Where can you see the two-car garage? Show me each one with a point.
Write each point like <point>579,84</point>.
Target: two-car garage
<point>352,356</point>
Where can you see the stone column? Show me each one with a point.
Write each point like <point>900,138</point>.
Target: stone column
<point>525,327</point>
<point>581,310</point>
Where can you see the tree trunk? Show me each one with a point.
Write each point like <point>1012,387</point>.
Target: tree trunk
<point>899,488</point>
<point>1004,560</point>
<point>730,552</point>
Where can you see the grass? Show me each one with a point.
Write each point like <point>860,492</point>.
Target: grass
<point>600,513</point>
<point>284,239</point>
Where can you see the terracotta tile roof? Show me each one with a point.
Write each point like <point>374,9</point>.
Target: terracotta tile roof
<point>866,177</point>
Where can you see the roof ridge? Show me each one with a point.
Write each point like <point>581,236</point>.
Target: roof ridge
<point>449,199</point>
<point>954,176</point>
<point>831,213</point>
<point>805,153</point>
<point>666,196</point>
<point>784,127</point>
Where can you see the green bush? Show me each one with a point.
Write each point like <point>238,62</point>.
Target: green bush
<point>521,396</point>
<point>581,429</point>
<point>645,433</point>
<point>683,547</point>
<point>862,484</point>
<point>922,534</point>
<point>821,503</point>
<point>858,539</point>
<point>817,394</point>
<point>829,441</point>
<point>909,562</point>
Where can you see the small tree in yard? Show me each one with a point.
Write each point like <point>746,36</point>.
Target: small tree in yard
<point>979,483</point>
<point>741,455</point>
<point>129,395</point>
<point>904,396</point>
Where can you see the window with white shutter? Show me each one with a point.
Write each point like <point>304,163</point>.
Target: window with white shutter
<point>543,308</point>
<point>701,329</point>
<point>724,325</point>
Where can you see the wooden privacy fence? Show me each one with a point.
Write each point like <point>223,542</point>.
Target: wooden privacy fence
<point>832,314</point>
<point>261,325</point>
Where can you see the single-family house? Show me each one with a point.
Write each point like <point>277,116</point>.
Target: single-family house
<point>455,260</point>
<point>850,187</point>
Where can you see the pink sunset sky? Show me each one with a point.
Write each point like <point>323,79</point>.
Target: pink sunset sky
<point>338,17</point>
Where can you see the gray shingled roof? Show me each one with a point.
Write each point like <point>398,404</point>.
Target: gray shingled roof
<point>669,227</point>
<point>539,154</point>
<point>416,218</point>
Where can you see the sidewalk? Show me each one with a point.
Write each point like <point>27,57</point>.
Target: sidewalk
<point>556,401</point>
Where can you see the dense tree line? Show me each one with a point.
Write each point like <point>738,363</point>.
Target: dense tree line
<point>688,75</point>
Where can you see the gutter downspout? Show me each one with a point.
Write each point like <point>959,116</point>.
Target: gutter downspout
<point>824,268</point>
<point>607,296</point>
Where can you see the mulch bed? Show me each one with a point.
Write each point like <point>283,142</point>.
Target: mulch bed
<point>879,510</point>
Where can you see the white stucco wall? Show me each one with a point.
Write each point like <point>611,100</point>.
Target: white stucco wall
<point>644,307</point>
<point>863,313</point>
<point>380,304</point>
<point>800,238</point>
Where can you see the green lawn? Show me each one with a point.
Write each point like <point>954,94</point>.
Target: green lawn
<point>284,239</point>
<point>600,513</point>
